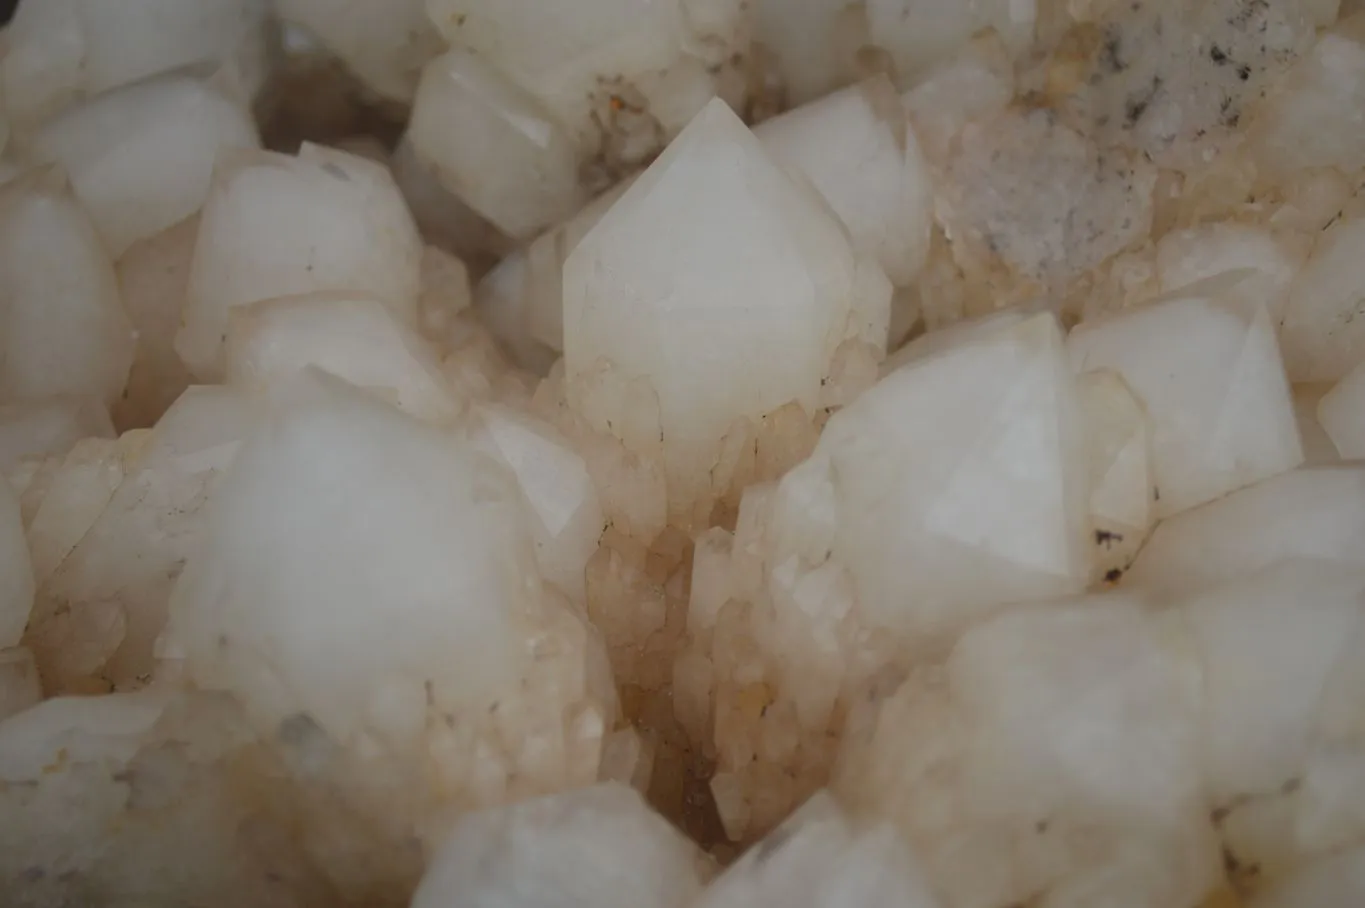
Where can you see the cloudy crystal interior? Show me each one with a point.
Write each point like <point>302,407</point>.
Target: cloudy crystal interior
<point>682,454</point>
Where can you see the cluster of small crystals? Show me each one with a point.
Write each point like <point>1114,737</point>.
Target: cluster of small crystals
<point>682,453</point>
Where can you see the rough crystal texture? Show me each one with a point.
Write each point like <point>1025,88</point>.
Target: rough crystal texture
<point>599,847</point>
<point>712,252</point>
<point>1029,197</point>
<point>469,682</point>
<point>860,152</point>
<point>141,158</point>
<point>74,769</point>
<point>821,858</point>
<point>494,145</point>
<point>354,338</point>
<point>276,226</point>
<point>1053,757</point>
<point>114,560</point>
<point>1309,513</point>
<point>62,50</point>
<point>1211,379</point>
<point>63,330</point>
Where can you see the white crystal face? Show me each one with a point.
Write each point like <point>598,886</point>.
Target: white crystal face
<point>715,282</point>
<point>959,483</point>
<point>277,226</point>
<point>1212,382</point>
<point>600,847</point>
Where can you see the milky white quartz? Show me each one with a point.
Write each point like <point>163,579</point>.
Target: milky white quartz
<point>1210,376</point>
<point>141,158</point>
<point>1342,414</point>
<point>384,43</point>
<point>1054,756</point>
<point>276,225</point>
<point>716,289</point>
<point>447,673</point>
<point>37,428</point>
<point>20,687</point>
<point>16,570</point>
<point>63,330</point>
<point>494,145</point>
<point>599,847</point>
<point>353,337</point>
<point>976,83</point>
<point>821,858</point>
<point>565,515</point>
<point>956,484</point>
<point>103,596</point>
<point>1316,513</point>
<point>1333,881</point>
<point>1259,265</point>
<point>63,50</point>
<point>857,148</point>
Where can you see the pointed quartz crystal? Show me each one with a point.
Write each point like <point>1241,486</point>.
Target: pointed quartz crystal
<point>716,289</point>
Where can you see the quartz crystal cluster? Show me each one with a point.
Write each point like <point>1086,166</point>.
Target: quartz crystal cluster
<point>682,454</point>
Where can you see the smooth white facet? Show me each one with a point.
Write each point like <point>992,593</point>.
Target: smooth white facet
<point>565,516</point>
<point>959,482</point>
<point>355,338</point>
<point>62,50</point>
<point>16,570</point>
<point>141,158</point>
<point>715,280</point>
<point>129,557</point>
<point>277,226</point>
<point>1342,414</point>
<point>1119,442</point>
<point>63,330</point>
<point>819,858</point>
<point>1211,379</point>
<point>600,847</point>
<point>384,43</point>
<point>49,427</point>
<point>1318,448</point>
<point>859,151</point>
<point>1264,265</point>
<point>494,146</point>
<point>341,512</point>
<point>1321,332</point>
<point>1314,513</point>
<point>1268,642</point>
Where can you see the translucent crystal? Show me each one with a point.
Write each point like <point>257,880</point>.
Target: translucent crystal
<point>1119,441</point>
<point>62,50</point>
<point>16,575</point>
<point>494,146</point>
<point>48,427</point>
<point>19,684</point>
<point>859,151</point>
<point>141,158</point>
<point>1214,388</point>
<point>1318,334</point>
<point>1310,513</point>
<point>276,226</point>
<point>713,249</point>
<point>385,44</point>
<point>63,330</point>
<point>599,847</point>
<point>1337,880</point>
<point>353,337</point>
